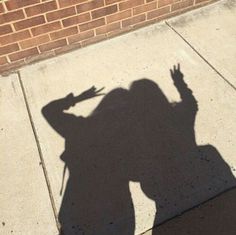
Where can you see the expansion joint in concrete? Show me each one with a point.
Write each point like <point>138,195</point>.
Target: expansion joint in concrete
<point>201,56</point>
<point>39,150</point>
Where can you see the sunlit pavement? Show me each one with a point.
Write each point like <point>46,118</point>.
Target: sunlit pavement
<point>203,42</point>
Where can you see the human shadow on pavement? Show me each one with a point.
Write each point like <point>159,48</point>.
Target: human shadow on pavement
<point>216,216</point>
<point>135,135</point>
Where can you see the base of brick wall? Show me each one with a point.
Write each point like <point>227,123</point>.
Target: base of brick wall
<point>30,40</point>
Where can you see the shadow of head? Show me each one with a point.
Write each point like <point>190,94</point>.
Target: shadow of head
<point>133,135</point>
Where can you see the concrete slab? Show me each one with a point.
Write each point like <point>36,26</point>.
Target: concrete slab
<point>216,216</point>
<point>179,183</point>
<point>212,32</point>
<point>25,206</point>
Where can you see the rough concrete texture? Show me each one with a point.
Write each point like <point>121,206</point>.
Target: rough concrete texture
<point>124,150</point>
<point>25,207</point>
<point>146,53</point>
<point>216,216</point>
<point>215,41</point>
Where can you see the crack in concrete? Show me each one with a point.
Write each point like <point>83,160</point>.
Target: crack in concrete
<point>201,56</point>
<point>188,210</point>
<point>39,150</point>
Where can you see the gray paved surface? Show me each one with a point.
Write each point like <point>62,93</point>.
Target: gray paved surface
<point>203,42</point>
<point>216,216</point>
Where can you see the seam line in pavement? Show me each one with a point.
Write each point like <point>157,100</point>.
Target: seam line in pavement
<point>173,29</point>
<point>190,209</point>
<point>39,151</point>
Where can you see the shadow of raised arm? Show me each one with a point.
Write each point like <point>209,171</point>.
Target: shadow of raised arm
<point>185,92</point>
<point>54,114</point>
<point>63,122</point>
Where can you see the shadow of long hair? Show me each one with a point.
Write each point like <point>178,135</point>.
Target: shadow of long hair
<point>133,135</point>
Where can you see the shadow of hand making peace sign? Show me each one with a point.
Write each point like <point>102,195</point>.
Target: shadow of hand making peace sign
<point>133,135</point>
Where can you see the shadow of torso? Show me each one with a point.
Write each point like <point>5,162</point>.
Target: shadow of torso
<point>97,196</point>
<point>134,135</point>
<point>176,173</point>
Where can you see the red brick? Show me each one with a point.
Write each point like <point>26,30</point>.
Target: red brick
<point>64,33</point>
<point>104,11</point>
<point>41,8</point>
<point>67,48</point>
<point>200,1</point>
<point>144,8</point>
<point>29,22</point>
<point>2,10</point>
<point>3,60</point>
<point>11,16</point>
<point>181,5</point>
<point>5,29</point>
<point>90,5</point>
<point>118,32</point>
<point>162,3</point>
<point>23,54</point>
<point>130,4</point>
<point>92,24</point>
<point>81,36</point>
<point>52,45</point>
<point>8,49</point>
<point>16,4</point>
<point>41,56</point>
<point>158,12</point>
<point>14,37</point>
<point>108,28</point>
<point>93,40</point>
<point>78,19</point>
<point>65,3</point>
<point>46,28</point>
<point>60,14</point>
<point>33,42</point>
<point>119,16</point>
<point>134,20</point>
<point>108,2</point>
<point>11,66</point>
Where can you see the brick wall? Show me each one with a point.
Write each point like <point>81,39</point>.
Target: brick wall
<point>31,30</point>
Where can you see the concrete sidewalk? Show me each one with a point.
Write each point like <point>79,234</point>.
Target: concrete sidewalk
<point>215,216</point>
<point>202,41</point>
